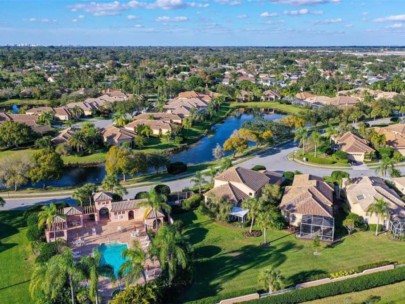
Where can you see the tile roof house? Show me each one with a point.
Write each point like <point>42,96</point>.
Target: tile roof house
<point>361,192</point>
<point>400,183</point>
<point>158,127</point>
<point>118,136</point>
<point>270,95</point>
<point>344,101</point>
<point>165,117</point>
<point>64,136</point>
<point>62,113</point>
<point>357,148</point>
<point>395,136</point>
<point>28,120</point>
<point>38,111</point>
<point>304,95</point>
<point>308,195</point>
<point>244,96</point>
<point>238,183</point>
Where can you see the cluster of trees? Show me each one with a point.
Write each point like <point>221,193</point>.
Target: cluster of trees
<point>14,134</point>
<point>19,170</point>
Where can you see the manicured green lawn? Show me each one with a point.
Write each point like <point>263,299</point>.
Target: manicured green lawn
<point>269,105</point>
<point>8,153</point>
<point>15,259</point>
<point>227,264</point>
<point>93,158</point>
<point>394,293</point>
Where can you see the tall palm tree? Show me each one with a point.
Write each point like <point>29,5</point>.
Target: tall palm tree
<point>46,216</point>
<point>111,183</point>
<point>316,139</point>
<point>330,131</point>
<point>379,208</point>
<point>198,180</point>
<point>271,280</point>
<point>170,247</point>
<point>386,165</point>
<point>133,266</point>
<point>253,204</point>
<point>77,141</point>
<point>302,135</point>
<point>156,202</point>
<point>211,174</point>
<point>146,131</point>
<point>91,268</point>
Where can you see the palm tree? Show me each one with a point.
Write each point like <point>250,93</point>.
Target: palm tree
<point>330,131</point>
<point>301,134</point>
<point>379,208</point>
<point>77,141</point>
<point>156,202</point>
<point>211,174</point>
<point>226,163</point>
<point>111,183</point>
<point>316,138</point>
<point>171,249</point>
<point>271,280</point>
<point>146,131</point>
<point>77,112</point>
<point>253,204</point>
<point>46,216</point>
<point>38,281</point>
<point>264,220</point>
<point>387,165</point>
<point>133,266</point>
<point>198,181</point>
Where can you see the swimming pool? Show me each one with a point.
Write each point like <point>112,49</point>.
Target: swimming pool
<point>111,254</point>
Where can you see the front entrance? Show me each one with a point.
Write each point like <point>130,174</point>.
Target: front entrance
<point>130,215</point>
<point>104,213</point>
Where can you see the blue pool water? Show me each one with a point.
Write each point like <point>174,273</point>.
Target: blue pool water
<point>111,254</point>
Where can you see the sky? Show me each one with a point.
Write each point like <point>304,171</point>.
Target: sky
<point>203,22</point>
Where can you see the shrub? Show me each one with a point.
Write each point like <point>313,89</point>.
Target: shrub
<point>373,265</point>
<point>325,149</point>
<point>385,152</point>
<point>176,168</point>
<point>339,155</point>
<point>47,250</point>
<point>141,194</point>
<point>33,232</point>
<point>341,273</point>
<point>258,168</point>
<point>372,227</point>
<point>337,288</point>
<point>192,202</point>
<point>254,233</point>
<point>394,119</point>
<point>163,189</point>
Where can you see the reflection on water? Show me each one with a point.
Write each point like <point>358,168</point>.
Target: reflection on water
<point>198,153</point>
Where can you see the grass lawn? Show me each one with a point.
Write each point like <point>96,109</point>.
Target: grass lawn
<point>20,102</point>
<point>9,153</point>
<point>227,264</point>
<point>93,158</point>
<point>15,261</point>
<point>290,109</point>
<point>394,293</point>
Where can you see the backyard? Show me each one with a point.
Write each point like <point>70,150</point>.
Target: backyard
<point>286,108</point>
<point>15,258</point>
<point>227,264</point>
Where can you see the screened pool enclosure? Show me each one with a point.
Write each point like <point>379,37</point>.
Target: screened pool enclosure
<point>313,225</point>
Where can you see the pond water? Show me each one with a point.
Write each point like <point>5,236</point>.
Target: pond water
<point>196,154</point>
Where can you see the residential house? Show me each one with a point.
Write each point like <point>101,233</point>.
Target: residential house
<point>28,120</point>
<point>356,148</point>
<point>165,117</point>
<point>362,192</point>
<point>244,96</point>
<point>304,95</point>
<point>344,101</point>
<point>38,111</point>
<point>400,184</point>
<point>118,136</point>
<point>394,135</point>
<point>62,113</point>
<point>270,95</point>
<point>158,127</point>
<point>309,195</point>
<point>64,136</point>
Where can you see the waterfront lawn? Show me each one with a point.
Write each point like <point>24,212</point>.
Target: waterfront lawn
<point>94,158</point>
<point>286,108</point>
<point>15,258</point>
<point>394,293</point>
<point>227,264</point>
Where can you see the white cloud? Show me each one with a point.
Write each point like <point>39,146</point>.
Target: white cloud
<point>328,21</point>
<point>229,2</point>
<point>349,25</point>
<point>41,20</point>
<point>166,19</point>
<point>174,4</point>
<point>304,2</point>
<point>268,14</point>
<point>395,26</point>
<point>244,16</point>
<point>101,9</point>
<point>138,25</point>
<point>390,18</point>
<point>303,11</point>
<point>132,17</point>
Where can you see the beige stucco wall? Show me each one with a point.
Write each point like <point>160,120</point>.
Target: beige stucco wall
<point>356,156</point>
<point>370,219</point>
<point>400,187</point>
<point>240,186</point>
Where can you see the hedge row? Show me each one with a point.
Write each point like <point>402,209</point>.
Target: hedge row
<point>332,289</point>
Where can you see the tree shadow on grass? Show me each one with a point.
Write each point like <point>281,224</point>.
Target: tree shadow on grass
<point>197,234</point>
<point>305,276</point>
<point>211,274</point>
<point>206,252</point>
<point>10,222</point>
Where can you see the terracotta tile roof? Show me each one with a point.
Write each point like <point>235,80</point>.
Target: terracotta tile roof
<point>275,177</point>
<point>166,117</point>
<point>152,214</point>
<point>253,179</point>
<point>125,205</point>
<point>102,196</point>
<point>39,110</point>
<point>154,124</point>
<point>113,134</point>
<point>344,101</point>
<point>351,143</point>
<point>62,111</point>
<point>309,195</point>
<point>229,192</point>
<point>394,135</point>
<point>365,190</point>
<point>400,180</point>
<point>304,95</point>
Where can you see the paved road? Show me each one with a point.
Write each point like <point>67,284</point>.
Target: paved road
<point>275,159</point>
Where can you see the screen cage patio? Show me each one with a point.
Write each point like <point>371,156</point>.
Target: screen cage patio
<point>397,228</point>
<point>313,225</point>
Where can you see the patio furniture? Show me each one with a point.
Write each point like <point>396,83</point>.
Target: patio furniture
<point>134,234</point>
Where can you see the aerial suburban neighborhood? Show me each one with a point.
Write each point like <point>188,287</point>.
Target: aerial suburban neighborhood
<point>201,174</point>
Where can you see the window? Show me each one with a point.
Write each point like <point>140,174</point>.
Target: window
<point>361,197</point>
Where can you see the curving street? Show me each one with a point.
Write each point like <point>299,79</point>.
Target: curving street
<point>275,159</point>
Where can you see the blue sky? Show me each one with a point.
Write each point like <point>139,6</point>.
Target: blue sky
<point>203,22</point>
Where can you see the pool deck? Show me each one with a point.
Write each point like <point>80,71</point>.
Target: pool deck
<point>112,232</point>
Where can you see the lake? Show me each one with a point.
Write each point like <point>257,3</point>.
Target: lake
<point>199,152</point>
